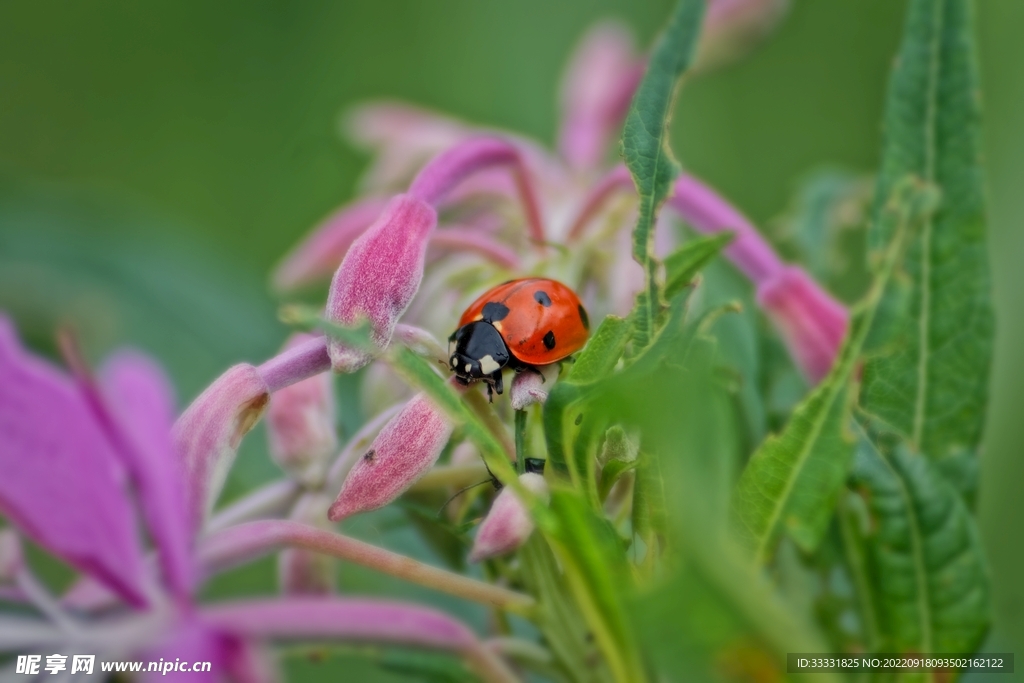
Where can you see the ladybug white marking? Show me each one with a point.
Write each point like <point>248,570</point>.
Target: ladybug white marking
<point>488,365</point>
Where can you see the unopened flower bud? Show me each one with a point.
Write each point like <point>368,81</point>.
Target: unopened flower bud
<point>617,446</point>
<point>811,322</point>
<point>528,388</point>
<point>508,524</point>
<point>379,276</point>
<point>304,572</point>
<point>405,449</point>
<point>300,424</point>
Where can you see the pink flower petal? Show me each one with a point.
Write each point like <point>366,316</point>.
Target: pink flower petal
<point>189,643</point>
<point>405,449</point>
<point>300,423</point>
<point>508,523</point>
<point>379,276</point>
<point>143,403</point>
<point>598,86</point>
<point>811,322</point>
<point>208,433</point>
<point>62,482</point>
<point>320,252</point>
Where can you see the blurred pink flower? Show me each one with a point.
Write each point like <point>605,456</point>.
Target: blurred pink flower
<point>66,446</point>
<point>508,524</point>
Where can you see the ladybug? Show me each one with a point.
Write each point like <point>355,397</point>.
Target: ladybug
<point>519,324</point>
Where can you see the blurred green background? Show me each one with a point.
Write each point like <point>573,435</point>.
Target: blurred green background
<point>157,158</point>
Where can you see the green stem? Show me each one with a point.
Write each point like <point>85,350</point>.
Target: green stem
<point>520,441</point>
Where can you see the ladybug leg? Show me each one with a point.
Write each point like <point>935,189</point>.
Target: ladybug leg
<point>498,385</point>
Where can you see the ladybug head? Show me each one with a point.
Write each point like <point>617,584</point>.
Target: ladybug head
<point>477,351</point>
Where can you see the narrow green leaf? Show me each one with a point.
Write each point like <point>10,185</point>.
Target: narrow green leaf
<point>925,552</point>
<point>645,142</point>
<point>557,616</point>
<point>930,383</point>
<point>591,554</point>
<point>793,480</point>
<point>649,516</point>
<point>602,352</point>
<point>684,263</point>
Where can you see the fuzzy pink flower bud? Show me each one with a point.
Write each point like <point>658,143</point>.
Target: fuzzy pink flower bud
<point>508,524</point>
<point>304,572</point>
<point>300,424</point>
<point>527,388</point>
<point>405,449</point>
<point>379,276</point>
<point>811,322</point>
<point>208,433</point>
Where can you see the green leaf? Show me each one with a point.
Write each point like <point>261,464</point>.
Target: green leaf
<point>793,480</point>
<point>645,143</point>
<point>591,554</point>
<point>684,263</point>
<point>556,615</point>
<point>611,473</point>
<point>718,609</point>
<point>930,381</point>
<point>925,552</point>
<point>602,352</point>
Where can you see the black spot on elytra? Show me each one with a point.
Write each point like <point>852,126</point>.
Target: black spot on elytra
<point>549,340</point>
<point>370,455</point>
<point>584,317</point>
<point>493,311</point>
<point>542,298</point>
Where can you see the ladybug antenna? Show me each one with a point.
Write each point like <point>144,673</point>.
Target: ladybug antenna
<point>458,493</point>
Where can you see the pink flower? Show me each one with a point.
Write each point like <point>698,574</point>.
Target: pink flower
<point>508,524</point>
<point>405,449</point>
<point>65,453</point>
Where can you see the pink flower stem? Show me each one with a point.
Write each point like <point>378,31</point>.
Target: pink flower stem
<point>271,500</point>
<point>358,619</point>
<point>247,541</point>
<point>445,171</point>
<point>617,180</point>
<point>705,210</point>
<point>296,364</point>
